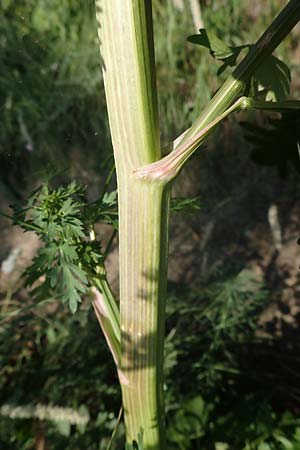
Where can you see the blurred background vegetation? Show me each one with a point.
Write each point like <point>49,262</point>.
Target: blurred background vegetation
<point>232,346</point>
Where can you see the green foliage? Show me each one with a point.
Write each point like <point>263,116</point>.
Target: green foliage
<point>65,265</point>
<point>225,311</point>
<point>250,424</point>
<point>43,360</point>
<point>69,259</point>
<point>50,80</point>
<point>271,80</point>
<point>205,335</point>
<point>188,205</point>
<point>46,95</point>
<point>274,76</point>
<point>189,423</point>
<point>104,209</point>
<point>186,78</point>
<point>277,144</point>
<point>218,49</point>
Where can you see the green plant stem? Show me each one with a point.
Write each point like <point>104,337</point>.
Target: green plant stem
<point>143,284</point>
<point>236,84</point>
<point>108,315</point>
<point>109,244</point>
<point>170,166</point>
<point>106,309</point>
<point>126,45</point>
<point>226,99</point>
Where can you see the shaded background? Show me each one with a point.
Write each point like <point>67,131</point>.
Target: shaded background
<point>232,346</point>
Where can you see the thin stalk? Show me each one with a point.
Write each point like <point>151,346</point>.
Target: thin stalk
<point>170,166</point>
<point>236,84</point>
<point>106,310</point>
<point>115,429</point>
<point>107,181</point>
<point>107,313</point>
<point>226,99</point>
<point>109,244</point>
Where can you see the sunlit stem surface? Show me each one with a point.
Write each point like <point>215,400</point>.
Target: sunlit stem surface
<point>126,43</point>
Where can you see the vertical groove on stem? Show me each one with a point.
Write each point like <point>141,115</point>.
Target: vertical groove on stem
<point>127,51</point>
<point>126,44</point>
<point>142,313</point>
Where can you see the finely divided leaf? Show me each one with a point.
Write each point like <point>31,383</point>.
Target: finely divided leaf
<point>105,209</point>
<point>110,198</point>
<point>185,205</point>
<point>62,266</point>
<point>71,283</point>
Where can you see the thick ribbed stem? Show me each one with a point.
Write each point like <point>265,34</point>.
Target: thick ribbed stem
<point>143,265</point>
<point>126,44</point>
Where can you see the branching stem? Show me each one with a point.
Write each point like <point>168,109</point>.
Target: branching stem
<point>236,84</point>
<point>170,166</point>
<point>127,51</point>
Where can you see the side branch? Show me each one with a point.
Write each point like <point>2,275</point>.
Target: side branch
<point>235,85</point>
<point>170,166</point>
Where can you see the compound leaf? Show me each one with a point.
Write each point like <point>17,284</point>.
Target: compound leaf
<point>215,45</point>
